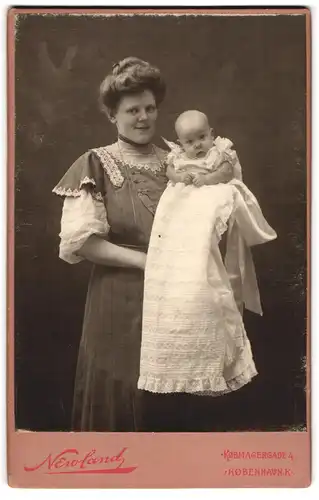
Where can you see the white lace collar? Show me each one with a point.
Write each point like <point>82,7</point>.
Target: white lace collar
<point>148,158</point>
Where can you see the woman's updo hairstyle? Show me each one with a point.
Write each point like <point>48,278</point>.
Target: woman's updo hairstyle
<point>130,76</point>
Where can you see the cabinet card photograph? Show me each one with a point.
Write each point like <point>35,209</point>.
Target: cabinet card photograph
<point>159,247</point>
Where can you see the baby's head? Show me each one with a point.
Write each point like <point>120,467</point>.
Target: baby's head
<point>194,133</point>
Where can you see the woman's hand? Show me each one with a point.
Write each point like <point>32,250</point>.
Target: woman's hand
<point>141,262</point>
<point>184,177</point>
<point>222,175</point>
<point>226,172</point>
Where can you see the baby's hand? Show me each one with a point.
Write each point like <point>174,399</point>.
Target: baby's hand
<point>187,178</point>
<point>199,180</point>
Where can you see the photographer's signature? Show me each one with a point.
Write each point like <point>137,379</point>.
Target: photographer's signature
<point>70,461</point>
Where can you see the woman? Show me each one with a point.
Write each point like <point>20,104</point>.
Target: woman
<point>110,197</point>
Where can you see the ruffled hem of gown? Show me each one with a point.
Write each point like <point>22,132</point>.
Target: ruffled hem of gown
<point>210,386</point>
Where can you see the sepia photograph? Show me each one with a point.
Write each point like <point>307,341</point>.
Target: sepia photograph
<point>160,254</point>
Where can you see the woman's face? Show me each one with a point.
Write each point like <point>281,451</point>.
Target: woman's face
<point>135,117</point>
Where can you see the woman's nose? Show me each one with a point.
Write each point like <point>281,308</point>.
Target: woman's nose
<point>143,115</point>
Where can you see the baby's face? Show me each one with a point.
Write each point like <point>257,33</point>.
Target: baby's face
<point>196,137</point>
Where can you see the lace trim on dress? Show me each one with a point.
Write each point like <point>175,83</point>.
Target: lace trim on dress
<point>214,386</point>
<point>165,385</point>
<point>221,224</point>
<point>235,383</point>
<point>109,166</point>
<point>242,379</point>
<point>75,193</point>
<point>108,153</point>
<point>152,166</point>
<point>87,180</point>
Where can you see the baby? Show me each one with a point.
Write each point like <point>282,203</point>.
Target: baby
<point>200,159</point>
<point>193,335</point>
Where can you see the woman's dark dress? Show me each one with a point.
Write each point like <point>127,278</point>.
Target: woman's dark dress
<point>106,397</point>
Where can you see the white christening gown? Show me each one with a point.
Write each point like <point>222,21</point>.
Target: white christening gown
<point>193,336</point>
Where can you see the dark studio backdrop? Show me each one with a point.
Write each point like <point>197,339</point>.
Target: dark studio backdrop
<point>249,75</point>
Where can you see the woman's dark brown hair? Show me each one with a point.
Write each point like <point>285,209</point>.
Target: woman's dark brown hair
<point>130,76</point>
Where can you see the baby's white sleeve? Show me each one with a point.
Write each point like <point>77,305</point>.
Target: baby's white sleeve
<point>225,146</point>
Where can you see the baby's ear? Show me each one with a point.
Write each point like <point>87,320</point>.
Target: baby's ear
<point>212,131</point>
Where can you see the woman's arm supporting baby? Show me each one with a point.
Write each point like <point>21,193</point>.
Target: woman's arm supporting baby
<point>222,175</point>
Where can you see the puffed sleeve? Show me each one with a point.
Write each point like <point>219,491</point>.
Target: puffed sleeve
<point>225,146</point>
<point>81,217</point>
<point>172,157</point>
<point>86,171</point>
<point>83,212</point>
